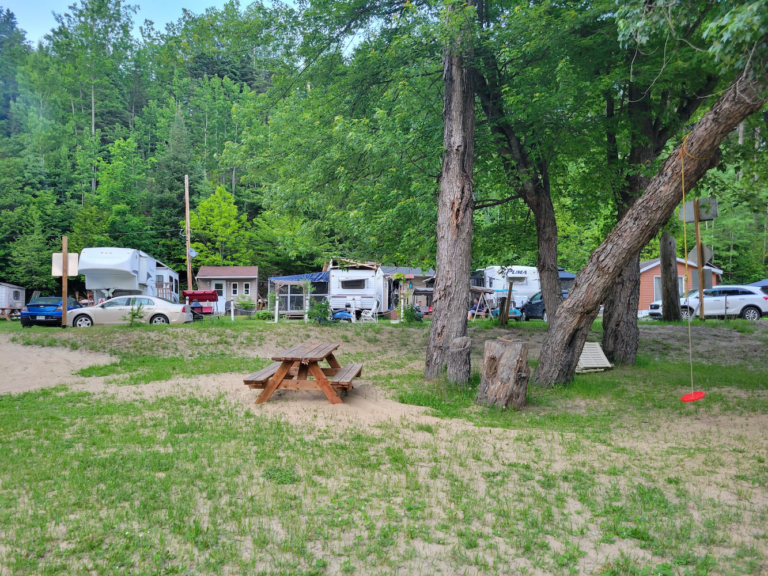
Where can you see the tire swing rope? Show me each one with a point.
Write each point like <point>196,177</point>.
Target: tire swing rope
<point>694,395</point>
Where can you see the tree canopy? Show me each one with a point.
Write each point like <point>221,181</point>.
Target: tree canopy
<point>315,130</point>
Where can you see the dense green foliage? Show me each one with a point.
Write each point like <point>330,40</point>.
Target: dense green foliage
<point>315,130</point>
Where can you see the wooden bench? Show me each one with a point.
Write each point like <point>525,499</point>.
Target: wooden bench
<point>259,379</point>
<point>343,378</point>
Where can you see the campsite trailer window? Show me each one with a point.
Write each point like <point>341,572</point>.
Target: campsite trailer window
<point>159,278</point>
<point>247,288</point>
<point>353,284</point>
<point>16,296</point>
<point>176,285</point>
<point>234,288</point>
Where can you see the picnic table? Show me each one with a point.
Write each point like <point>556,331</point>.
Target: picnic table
<point>292,369</point>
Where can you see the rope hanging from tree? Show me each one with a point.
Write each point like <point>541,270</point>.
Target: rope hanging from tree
<point>699,394</point>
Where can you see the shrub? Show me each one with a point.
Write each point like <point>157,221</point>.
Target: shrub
<point>134,315</point>
<point>319,310</point>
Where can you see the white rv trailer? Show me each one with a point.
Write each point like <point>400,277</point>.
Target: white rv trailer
<point>357,284</point>
<point>361,286</point>
<point>111,272</point>
<point>12,297</point>
<point>526,282</point>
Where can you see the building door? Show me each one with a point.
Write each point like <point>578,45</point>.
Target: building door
<point>221,290</point>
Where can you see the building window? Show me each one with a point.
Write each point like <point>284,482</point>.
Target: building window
<point>247,288</point>
<point>353,284</point>
<point>219,287</point>
<point>16,295</point>
<point>657,286</point>
<point>234,288</point>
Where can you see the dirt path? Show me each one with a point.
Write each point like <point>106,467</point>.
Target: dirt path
<point>25,368</point>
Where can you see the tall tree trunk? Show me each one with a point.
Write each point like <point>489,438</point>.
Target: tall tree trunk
<point>455,203</point>
<point>533,183</point>
<point>670,288</point>
<point>570,327</point>
<point>621,336</point>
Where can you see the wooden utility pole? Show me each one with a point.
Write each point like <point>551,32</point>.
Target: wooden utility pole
<point>64,272</point>
<point>189,258</point>
<point>699,257</point>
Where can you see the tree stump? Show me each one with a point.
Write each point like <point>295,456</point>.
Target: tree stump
<point>505,374</point>
<point>457,359</point>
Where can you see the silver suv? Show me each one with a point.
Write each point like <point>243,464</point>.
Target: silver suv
<point>748,302</point>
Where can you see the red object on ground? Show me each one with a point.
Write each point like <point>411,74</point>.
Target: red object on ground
<point>693,396</point>
<point>201,295</point>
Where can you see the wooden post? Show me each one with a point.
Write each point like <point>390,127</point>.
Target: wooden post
<point>189,258</point>
<point>699,257</point>
<point>509,302</point>
<point>64,271</point>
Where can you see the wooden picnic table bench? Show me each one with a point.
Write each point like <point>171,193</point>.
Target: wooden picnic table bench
<point>293,367</point>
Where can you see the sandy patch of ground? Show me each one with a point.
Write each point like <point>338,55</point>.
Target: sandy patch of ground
<point>25,368</point>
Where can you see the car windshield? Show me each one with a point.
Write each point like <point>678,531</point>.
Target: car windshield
<point>51,300</point>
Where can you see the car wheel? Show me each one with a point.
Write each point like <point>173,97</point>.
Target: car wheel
<point>159,319</point>
<point>685,313</point>
<point>83,321</point>
<point>523,317</point>
<point>544,316</point>
<point>751,313</point>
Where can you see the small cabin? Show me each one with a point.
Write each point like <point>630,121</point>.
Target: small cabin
<point>230,282</point>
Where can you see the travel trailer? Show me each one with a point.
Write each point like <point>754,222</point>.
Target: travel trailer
<point>111,272</point>
<point>525,278</point>
<point>361,284</point>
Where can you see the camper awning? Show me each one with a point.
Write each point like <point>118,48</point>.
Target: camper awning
<point>312,277</point>
<point>761,283</point>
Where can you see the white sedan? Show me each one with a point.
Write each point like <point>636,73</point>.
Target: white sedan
<point>117,311</point>
<point>748,302</point>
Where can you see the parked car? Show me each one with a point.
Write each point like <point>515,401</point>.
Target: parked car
<point>748,302</point>
<point>116,311</point>
<point>46,311</point>
<point>534,308</point>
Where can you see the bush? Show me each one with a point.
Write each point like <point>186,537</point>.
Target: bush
<point>263,315</point>
<point>411,315</point>
<point>319,310</point>
<point>244,302</point>
<point>134,315</point>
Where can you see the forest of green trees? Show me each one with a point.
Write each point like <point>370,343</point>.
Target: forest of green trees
<point>315,130</point>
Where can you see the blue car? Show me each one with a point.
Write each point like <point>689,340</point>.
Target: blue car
<point>45,311</point>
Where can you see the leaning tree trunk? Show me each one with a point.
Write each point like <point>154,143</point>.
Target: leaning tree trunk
<point>455,209</point>
<point>670,289</point>
<point>569,328</point>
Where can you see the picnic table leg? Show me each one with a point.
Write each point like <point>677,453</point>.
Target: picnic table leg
<point>274,382</point>
<point>333,362</point>
<point>323,384</point>
<point>302,373</point>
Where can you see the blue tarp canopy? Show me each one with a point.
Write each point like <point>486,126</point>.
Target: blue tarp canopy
<point>312,277</point>
<point>761,283</point>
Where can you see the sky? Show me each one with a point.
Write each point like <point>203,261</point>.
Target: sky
<point>36,16</point>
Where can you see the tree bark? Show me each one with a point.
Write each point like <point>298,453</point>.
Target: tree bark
<point>670,289</point>
<point>621,335</point>
<point>570,327</point>
<point>458,361</point>
<point>455,202</point>
<point>505,374</point>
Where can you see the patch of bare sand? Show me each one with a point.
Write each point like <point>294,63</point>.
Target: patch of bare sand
<point>25,368</point>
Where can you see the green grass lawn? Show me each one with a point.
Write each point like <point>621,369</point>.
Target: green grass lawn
<point>611,474</point>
